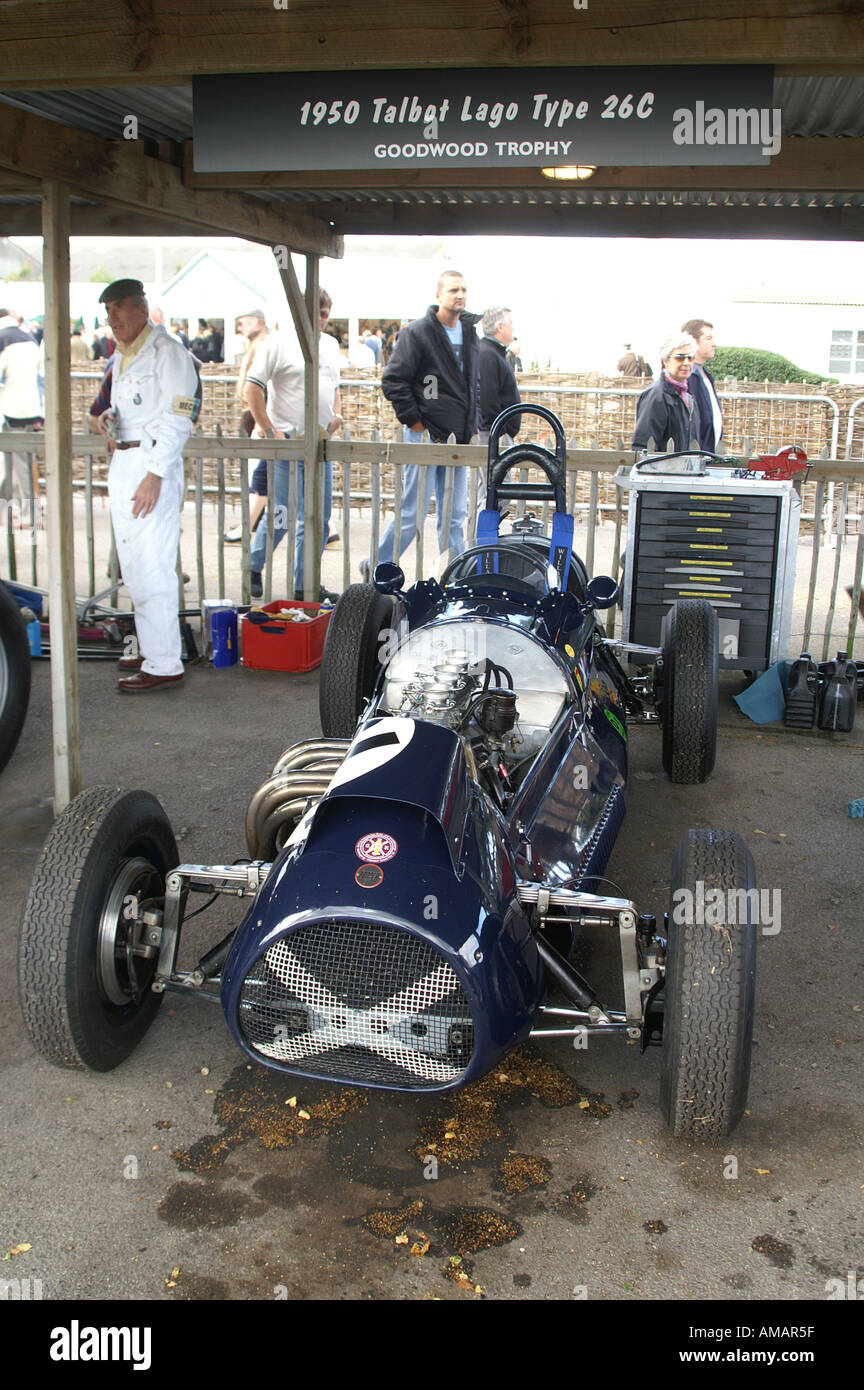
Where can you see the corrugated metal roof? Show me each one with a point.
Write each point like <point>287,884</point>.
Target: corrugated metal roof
<point>821,105</point>
<point>163,113</point>
<point>583,196</point>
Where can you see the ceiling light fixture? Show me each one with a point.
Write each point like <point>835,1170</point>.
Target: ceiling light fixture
<point>570,171</point>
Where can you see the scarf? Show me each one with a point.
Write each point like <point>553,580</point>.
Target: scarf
<point>681,388</point>
<point>129,350</point>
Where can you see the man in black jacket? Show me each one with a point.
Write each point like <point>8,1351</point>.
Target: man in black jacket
<point>498,387</point>
<point>431,383</point>
<point>701,384</point>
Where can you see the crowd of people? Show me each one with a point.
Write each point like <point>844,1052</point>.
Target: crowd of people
<point>441,378</point>
<point>448,374</point>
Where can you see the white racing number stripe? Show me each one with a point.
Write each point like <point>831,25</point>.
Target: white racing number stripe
<point>386,740</point>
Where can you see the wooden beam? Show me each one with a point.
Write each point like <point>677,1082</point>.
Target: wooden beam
<point>297,303</point>
<point>313,491</point>
<point>103,43</point>
<point>17,183</point>
<point>25,219</point>
<point>116,172</point>
<point>58,506</point>
<point>802,164</point>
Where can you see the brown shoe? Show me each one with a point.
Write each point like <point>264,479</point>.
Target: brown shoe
<point>130,663</point>
<point>142,681</point>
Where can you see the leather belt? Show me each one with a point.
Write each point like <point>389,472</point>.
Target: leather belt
<point>128,444</point>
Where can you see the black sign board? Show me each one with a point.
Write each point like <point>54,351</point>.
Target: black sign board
<point>485,118</point>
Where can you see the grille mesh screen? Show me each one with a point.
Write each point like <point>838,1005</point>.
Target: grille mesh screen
<point>358,1001</point>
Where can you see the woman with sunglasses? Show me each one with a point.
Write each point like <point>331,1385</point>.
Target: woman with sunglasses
<point>667,409</point>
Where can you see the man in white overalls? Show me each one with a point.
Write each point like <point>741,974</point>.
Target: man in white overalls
<point>155,393</point>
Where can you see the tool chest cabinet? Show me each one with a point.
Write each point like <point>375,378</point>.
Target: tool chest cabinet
<point>732,541</point>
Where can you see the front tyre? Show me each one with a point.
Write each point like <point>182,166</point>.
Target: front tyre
<point>710,985</point>
<point>689,703</point>
<point>84,969</point>
<point>352,657</point>
<point>14,674</point>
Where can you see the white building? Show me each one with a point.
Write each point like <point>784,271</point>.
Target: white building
<point>575,301</point>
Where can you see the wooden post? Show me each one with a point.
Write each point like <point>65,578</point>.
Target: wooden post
<point>59,518</point>
<point>304,311</point>
<point>313,472</point>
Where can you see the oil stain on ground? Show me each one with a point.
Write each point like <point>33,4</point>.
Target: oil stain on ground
<point>574,1206</point>
<point>194,1206</point>
<point>521,1172</point>
<point>777,1252</point>
<point>459,1230</point>
<point>349,1145</point>
<point>365,1130</point>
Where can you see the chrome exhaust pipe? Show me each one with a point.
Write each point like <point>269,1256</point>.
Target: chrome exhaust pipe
<point>280,824</point>
<point>302,772</point>
<point>307,753</point>
<point>283,787</point>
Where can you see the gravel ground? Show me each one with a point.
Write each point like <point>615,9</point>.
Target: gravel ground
<point>188,1174</point>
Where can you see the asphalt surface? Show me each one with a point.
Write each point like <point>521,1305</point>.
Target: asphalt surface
<point>188,1174</point>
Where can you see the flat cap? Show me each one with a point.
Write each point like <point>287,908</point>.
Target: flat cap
<point>254,314</point>
<point>122,289</point>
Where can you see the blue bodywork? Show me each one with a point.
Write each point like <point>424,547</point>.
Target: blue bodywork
<point>409,845</point>
<point>451,883</point>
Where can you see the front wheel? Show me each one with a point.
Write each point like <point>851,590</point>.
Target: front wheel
<point>352,657</point>
<point>14,674</point>
<point>84,966</point>
<point>689,703</point>
<point>710,985</point>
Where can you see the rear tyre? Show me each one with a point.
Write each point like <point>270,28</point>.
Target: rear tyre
<point>351,660</point>
<point>14,675</point>
<point>690,691</point>
<point>710,986</point>
<point>83,980</point>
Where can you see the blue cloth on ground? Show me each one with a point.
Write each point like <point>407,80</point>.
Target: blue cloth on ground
<point>765,700</point>
<point>855,809</point>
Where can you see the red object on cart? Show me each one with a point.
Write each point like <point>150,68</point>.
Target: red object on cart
<point>283,645</point>
<point>782,466</point>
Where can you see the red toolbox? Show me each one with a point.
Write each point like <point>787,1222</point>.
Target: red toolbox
<point>283,644</point>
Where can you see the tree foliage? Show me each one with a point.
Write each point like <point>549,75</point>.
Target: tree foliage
<point>758,365</point>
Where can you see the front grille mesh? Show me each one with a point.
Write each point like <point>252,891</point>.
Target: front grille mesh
<point>358,1001</point>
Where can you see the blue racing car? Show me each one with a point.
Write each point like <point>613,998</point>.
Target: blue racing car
<point>420,876</point>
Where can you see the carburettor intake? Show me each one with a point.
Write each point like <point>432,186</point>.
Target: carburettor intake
<point>440,692</point>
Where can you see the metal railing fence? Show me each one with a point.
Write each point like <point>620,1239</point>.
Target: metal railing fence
<point>217,475</point>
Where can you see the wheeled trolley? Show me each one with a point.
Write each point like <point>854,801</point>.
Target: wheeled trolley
<point>715,536</point>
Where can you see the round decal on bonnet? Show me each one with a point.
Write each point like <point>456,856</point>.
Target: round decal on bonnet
<point>369,875</point>
<point>376,848</point>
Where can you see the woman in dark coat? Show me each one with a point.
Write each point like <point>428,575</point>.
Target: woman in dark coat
<point>667,409</point>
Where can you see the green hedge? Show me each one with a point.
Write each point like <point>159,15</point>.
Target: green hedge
<point>757,365</point>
